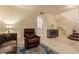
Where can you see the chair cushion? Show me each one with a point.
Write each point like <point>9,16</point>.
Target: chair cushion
<point>12,42</point>
<point>8,47</point>
<point>30,35</point>
<point>33,40</point>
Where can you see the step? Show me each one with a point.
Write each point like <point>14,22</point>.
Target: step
<point>73,38</point>
<point>77,36</point>
<point>75,33</point>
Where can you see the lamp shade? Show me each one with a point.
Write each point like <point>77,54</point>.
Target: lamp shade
<point>9,26</point>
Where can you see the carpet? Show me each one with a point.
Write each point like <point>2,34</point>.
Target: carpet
<point>41,49</point>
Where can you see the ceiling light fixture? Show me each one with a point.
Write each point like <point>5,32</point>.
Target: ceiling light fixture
<point>41,12</point>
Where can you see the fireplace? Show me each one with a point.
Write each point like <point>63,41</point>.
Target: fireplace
<point>51,33</point>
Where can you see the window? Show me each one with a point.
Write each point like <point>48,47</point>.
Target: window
<point>40,25</point>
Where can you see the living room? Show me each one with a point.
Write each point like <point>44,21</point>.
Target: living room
<point>54,24</point>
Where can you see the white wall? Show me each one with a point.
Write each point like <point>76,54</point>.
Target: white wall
<point>2,27</point>
<point>27,22</point>
<point>67,19</point>
<point>20,18</point>
<point>51,20</point>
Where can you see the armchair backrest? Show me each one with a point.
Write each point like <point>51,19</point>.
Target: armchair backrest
<point>29,33</point>
<point>7,37</point>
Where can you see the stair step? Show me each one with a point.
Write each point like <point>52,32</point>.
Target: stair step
<point>75,33</point>
<point>77,36</point>
<point>73,38</point>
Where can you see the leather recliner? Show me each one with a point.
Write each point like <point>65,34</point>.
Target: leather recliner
<point>30,38</point>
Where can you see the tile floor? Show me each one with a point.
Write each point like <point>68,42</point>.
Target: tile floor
<point>62,45</point>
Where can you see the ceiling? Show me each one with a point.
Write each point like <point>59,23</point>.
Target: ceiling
<point>14,13</point>
<point>54,9</point>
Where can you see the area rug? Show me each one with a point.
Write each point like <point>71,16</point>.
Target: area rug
<point>41,49</point>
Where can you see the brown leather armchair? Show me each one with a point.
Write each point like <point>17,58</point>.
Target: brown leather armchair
<point>30,38</point>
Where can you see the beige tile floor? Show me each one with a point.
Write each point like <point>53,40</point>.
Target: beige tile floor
<point>62,45</point>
